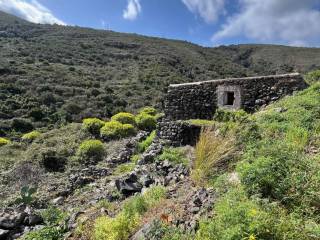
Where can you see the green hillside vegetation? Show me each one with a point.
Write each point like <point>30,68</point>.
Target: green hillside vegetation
<point>276,193</point>
<point>51,75</point>
<point>264,168</point>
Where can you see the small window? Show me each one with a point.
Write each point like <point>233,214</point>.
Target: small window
<point>229,98</point>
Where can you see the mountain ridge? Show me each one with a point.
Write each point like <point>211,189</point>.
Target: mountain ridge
<point>52,74</point>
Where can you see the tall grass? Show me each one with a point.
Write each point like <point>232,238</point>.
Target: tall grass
<point>213,155</point>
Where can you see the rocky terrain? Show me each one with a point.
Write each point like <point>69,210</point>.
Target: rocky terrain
<point>51,74</point>
<point>74,165</point>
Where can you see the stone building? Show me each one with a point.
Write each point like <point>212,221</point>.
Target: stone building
<point>199,100</point>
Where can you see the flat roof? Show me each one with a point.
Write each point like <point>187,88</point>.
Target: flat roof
<point>235,79</point>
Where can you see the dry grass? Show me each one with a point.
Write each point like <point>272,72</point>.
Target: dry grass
<point>213,154</point>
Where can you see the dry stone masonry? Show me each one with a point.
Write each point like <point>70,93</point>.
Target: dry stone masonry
<point>199,100</point>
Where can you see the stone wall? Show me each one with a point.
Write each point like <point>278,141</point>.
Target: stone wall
<point>179,133</point>
<point>199,100</point>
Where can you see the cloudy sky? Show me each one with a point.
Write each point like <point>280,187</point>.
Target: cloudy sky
<point>205,22</point>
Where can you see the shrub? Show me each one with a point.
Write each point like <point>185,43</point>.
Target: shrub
<point>111,130</point>
<point>142,146</point>
<point>31,136</point>
<point>174,155</point>
<point>53,216</point>
<point>146,122</point>
<point>52,160</point>
<point>21,125</point>
<point>48,233</point>
<point>26,195</point>
<point>237,217</point>
<point>225,115</point>
<point>312,77</point>
<point>124,224</point>
<point>213,155</point>
<point>116,130</point>
<point>92,125</point>
<point>124,118</point>
<point>128,130</point>
<point>90,150</point>
<point>149,110</point>
<point>4,141</point>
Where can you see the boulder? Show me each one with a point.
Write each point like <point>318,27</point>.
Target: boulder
<point>128,184</point>
<point>4,234</point>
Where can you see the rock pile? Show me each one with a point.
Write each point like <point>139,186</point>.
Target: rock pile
<point>15,222</point>
<point>157,173</point>
<point>124,154</point>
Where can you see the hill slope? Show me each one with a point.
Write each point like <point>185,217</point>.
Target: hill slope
<point>51,74</point>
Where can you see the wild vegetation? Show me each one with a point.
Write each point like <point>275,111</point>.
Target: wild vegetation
<point>62,157</point>
<point>51,75</point>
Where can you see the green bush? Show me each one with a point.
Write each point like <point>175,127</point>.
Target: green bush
<point>237,217</point>
<point>47,233</point>
<point>4,141</point>
<point>142,146</point>
<point>146,122</point>
<point>111,130</point>
<point>26,197</point>
<point>127,221</point>
<point>128,130</point>
<point>92,125</point>
<point>312,77</point>
<point>225,115</point>
<point>149,110</point>
<point>276,165</point>
<point>124,118</point>
<point>53,216</point>
<point>21,125</point>
<point>90,150</point>
<point>31,136</point>
<point>174,155</point>
<point>116,130</point>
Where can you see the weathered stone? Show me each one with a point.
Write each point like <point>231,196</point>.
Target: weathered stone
<point>33,220</point>
<point>129,184</point>
<point>4,234</point>
<point>178,133</point>
<point>199,100</point>
<point>12,220</point>
<point>58,201</point>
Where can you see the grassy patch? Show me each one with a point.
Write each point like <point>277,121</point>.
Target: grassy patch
<point>142,146</point>
<point>174,155</point>
<point>124,224</point>
<point>124,168</point>
<point>201,122</point>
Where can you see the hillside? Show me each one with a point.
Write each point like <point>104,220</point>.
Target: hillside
<point>53,74</point>
<point>250,176</point>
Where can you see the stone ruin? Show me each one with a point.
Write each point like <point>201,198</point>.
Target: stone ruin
<point>200,100</point>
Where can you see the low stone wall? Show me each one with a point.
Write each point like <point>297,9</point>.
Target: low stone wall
<point>199,100</point>
<point>179,133</point>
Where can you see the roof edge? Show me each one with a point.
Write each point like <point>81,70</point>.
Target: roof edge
<point>234,79</point>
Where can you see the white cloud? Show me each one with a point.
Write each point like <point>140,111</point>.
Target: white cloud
<point>293,22</point>
<point>31,10</point>
<point>133,10</point>
<point>209,10</point>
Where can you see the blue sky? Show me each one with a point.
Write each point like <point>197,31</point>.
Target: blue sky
<point>205,22</point>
